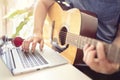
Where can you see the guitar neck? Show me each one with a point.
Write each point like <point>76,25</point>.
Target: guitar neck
<point>112,51</point>
<point>79,41</point>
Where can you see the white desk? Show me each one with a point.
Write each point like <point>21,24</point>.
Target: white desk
<point>63,72</point>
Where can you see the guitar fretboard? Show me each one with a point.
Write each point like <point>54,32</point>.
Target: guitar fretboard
<point>112,51</point>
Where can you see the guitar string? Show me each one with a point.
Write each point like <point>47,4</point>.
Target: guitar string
<point>92,41</point>
<point>64,35</point>
<point>84,40</point>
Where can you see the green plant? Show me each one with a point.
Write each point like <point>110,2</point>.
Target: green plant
<point>27,12</point>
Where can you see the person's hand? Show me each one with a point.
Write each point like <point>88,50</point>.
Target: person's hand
<point>96,59</point>
<point>33,40</point>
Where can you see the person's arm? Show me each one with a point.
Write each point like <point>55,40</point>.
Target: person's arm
<point>40,12</point>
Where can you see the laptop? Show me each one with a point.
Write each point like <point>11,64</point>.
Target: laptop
<point>19,62</point>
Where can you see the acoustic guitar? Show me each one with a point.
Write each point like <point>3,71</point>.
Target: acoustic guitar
<point>72,29</point>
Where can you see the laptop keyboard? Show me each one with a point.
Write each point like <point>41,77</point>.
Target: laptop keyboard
<point>16,58</point>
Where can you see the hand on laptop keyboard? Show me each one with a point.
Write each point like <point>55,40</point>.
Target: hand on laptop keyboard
<point>33,40</point>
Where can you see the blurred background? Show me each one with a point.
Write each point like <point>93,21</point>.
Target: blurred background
<point>16,17</point>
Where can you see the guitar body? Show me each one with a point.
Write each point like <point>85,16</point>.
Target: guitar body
<point>72,21</point>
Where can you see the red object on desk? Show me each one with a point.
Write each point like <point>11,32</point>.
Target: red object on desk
<point>17,41</point>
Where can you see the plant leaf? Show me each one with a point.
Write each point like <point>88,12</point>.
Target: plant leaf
<point>20,26</point>
<point>14,13</point>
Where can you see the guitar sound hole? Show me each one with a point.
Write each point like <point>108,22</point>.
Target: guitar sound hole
<point>62,35</point>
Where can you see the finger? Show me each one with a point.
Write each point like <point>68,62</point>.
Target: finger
<point>34,43</point>
<point>100,51</point>
<point>85,47</point>
<point>90,58</point>
<point>41,44</point>
<point>22,45</point>
<point>91,61</point>
<point>26,44</point>
<point>87,50</point>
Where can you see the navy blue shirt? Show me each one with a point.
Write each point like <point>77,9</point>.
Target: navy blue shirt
<point>108,13</point>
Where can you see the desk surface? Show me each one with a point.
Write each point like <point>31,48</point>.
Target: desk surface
<point>63,72</point>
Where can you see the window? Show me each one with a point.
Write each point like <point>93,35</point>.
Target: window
<point>8,26</point>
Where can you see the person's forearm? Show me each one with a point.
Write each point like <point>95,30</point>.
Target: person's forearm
<point>40,13</point>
